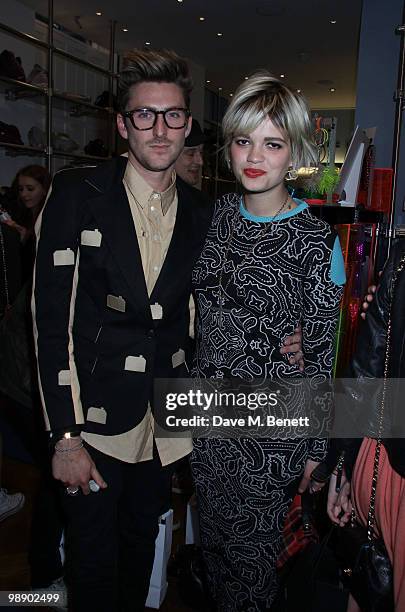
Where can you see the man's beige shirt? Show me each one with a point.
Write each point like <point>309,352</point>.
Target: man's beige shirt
<point>154,216</point>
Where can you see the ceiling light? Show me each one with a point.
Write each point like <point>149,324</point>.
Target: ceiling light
<point>179,0</point>
<point>99,14</point>
<point>282,76</point>
<point>219,88</point>
<point>219,33</point>
<point>147,43</point>
<point>332,89</point>
<point>246,78</point>
<point>125,29</point>
<point>333,21</point>
<point>202,18</point>
<point>208,81</point>
<point>299,90</point>
<point>230,95</point>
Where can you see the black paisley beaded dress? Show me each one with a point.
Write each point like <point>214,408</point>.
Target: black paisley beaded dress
<point>272,279</point>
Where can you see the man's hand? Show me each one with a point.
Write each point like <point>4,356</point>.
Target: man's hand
<point>75,468</point>
<point>293,344</point>
<point>339,506</point>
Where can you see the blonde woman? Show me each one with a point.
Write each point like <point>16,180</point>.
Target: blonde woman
<point>267,266</point>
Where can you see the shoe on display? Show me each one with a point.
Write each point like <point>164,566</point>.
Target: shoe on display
<point>96,147</point>
<point>38,76</point>
<point>37,137</point>
<point>103,100</point>
<point>10,503</point>
<point>63,143</point>
<point>10,66</point>
<point>10,134</point>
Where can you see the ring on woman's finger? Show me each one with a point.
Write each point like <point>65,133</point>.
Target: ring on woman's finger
<point>72,490</point>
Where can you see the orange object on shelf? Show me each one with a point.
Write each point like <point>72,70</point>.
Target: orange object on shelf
<point>382,189</point>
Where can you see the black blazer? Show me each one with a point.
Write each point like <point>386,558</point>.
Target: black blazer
<point>97,343</point>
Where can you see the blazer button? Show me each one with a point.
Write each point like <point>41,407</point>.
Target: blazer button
<point>151,334</point>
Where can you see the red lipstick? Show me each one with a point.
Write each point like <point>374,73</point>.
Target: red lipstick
<point>253,172</point>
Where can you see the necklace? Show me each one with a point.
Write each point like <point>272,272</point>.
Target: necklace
<point>263,232</point>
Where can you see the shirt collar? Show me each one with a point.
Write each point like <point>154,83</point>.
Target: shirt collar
<point>143,193</point>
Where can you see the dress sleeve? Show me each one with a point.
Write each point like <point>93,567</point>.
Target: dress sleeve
<point>322,292</point>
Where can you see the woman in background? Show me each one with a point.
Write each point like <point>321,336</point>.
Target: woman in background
<point>267,266</point>
<point>30,186</point>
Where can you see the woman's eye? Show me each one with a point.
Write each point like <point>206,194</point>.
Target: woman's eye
<point>242,141</point>
<point>273,145</point>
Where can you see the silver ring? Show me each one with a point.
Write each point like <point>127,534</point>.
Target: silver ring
<point>72,490</point>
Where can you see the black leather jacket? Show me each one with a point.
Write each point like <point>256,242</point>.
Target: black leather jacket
<point>368,361</point>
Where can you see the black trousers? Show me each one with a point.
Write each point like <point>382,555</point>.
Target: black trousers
<point>110,538</point>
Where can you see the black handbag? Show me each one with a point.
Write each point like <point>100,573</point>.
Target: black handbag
<point>367,565</point>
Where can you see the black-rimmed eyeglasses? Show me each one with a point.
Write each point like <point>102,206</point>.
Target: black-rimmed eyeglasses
<point>145,118</point>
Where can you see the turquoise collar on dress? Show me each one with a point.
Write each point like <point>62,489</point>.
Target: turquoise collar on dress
<point>301,205</point>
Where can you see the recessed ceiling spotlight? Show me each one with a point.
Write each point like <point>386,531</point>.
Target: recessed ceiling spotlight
<point>332,89</point>
<point>333,21</point>
<point>219,88</point>
<point>147,43</point>
<point>179,0</point>
<point>299,90</point>
<point>230,95</point>
<point>125,29</point>
<point>201,18</point>
<point>99,14</point>
<point>246,78</point>
<point>208,81</point>
<point>282,76</point>
<point>219,33</point>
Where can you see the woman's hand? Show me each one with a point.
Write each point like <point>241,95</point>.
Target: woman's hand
<point>23,231</point>
<point>293,344</point>
<point>339,506</point>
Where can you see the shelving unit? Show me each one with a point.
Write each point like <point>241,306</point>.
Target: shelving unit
<point>61,110</point>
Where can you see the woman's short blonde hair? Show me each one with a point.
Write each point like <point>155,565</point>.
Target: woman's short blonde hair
<point>262,96</point>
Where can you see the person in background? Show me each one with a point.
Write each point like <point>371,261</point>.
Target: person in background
<point>267,266</point>
<point>384,319</point>
<point>30,185</point>
<point>189,164</point>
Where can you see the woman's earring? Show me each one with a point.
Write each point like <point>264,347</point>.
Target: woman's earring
<point>291,175</point>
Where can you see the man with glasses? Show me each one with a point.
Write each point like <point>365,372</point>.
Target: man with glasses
<point>116,247</point>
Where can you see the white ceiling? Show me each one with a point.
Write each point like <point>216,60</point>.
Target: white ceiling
<point>290,37</point>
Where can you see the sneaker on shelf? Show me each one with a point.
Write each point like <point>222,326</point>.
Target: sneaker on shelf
<point>58,585</point>
<point>10,503</point>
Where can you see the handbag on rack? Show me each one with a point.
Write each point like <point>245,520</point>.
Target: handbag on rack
<point>365,557</point>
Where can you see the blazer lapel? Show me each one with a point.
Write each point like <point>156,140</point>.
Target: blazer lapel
<point>113,214</point>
